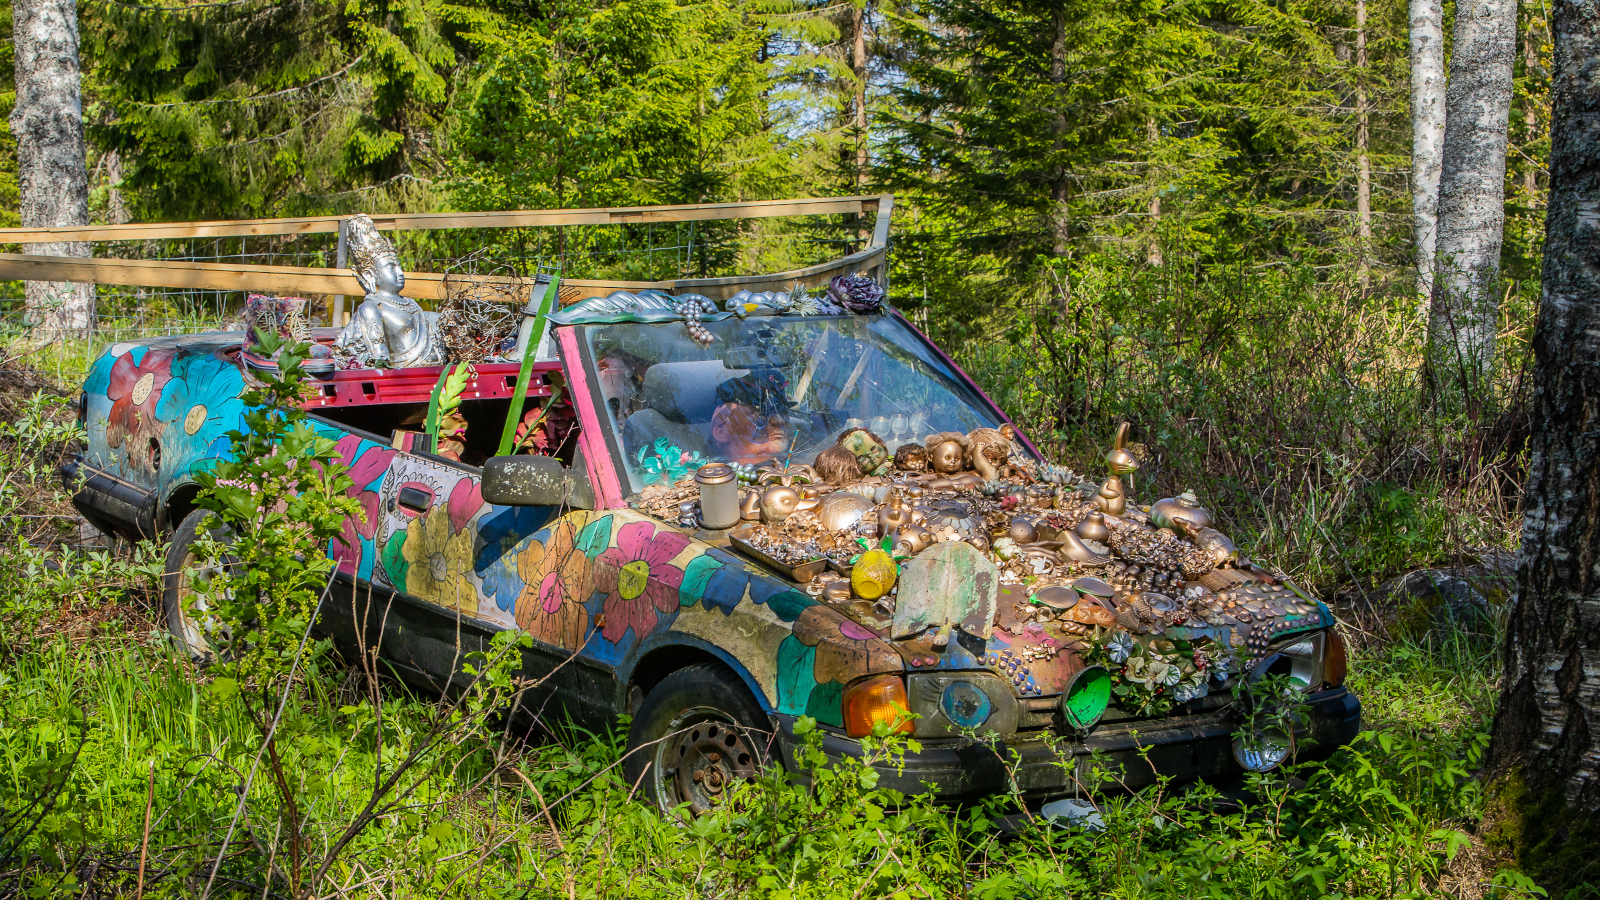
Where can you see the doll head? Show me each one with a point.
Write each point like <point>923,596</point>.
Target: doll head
<point>947,452</point>
<point>869,450</point>
<point>836,465</point>
<point>911,457</point>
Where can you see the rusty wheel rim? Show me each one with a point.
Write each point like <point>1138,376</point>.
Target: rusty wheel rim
<point>705,755</point>
<point>193,609</point>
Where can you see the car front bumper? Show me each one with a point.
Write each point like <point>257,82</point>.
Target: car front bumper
<point>1131,754</point>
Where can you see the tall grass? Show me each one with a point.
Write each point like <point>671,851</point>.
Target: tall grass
<point>493,815</point>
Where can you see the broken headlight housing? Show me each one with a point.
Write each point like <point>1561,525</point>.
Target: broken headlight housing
<point>950,703</point>
<point>1315,660</point>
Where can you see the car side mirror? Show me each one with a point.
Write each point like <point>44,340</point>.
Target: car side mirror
<point>535,481</point>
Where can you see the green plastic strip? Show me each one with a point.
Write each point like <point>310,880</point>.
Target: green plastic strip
<point>431,423</point>
<point>508,434</point>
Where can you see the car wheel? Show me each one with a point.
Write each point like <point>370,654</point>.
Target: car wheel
<point>696,736</point>
<point>197,633</point>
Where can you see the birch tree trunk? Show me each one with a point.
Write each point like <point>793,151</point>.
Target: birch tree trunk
<point>1060,220</point>
<point>1548,724</point>
<point>1427,136</point>
<point>1463,315</point>
<point>52,177</point>
<point>1363,163</point>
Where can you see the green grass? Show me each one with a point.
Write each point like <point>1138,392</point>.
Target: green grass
<point>1379,819</point>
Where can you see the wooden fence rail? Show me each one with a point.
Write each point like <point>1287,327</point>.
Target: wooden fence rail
<point>424,285</point>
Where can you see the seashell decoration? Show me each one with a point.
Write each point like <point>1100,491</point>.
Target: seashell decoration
<point>1185,507</point>
<point>842,510</point>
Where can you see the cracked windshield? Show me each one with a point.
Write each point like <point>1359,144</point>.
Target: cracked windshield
<point>772,388</point>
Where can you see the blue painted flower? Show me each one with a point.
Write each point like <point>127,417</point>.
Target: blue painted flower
<point>202,404</point>
<point>99,380</point>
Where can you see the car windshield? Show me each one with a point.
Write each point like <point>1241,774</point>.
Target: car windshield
<point>772,387</point>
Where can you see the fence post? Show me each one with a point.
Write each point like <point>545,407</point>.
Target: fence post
<point>337,314</point>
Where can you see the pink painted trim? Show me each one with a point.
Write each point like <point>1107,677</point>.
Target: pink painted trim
<point>952,363</point>
<point>591,434</point>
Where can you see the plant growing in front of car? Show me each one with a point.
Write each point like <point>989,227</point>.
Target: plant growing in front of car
<point>1273,706</point>
<point>276,503</point>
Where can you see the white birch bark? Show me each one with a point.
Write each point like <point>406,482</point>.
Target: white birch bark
<point>52,177</point>
<point>1427,136</point>
<point>1363,162</point>
<point>1152,133</point>
<point>1548,723</point>
<point>1463,315</point>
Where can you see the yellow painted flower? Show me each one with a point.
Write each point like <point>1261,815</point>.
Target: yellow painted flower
<point>440,563</point>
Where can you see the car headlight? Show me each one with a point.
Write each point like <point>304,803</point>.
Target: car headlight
<point>1086,697</point>
<point>949,703</point>
<point>1261,750</point>
<point>1315,660</point>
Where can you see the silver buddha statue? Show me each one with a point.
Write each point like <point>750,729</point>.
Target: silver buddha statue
<point>387,329</point>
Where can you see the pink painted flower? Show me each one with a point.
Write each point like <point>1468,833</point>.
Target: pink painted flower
<point>135,390</point>
<point>365,471</point>
<point>639,581</point>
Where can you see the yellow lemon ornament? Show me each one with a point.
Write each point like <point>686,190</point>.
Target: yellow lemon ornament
<point>874,574</point>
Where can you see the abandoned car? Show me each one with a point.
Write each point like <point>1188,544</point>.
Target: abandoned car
<point>720,519</point>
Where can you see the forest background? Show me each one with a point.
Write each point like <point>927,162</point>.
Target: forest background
<point>1150,211</point>
<point>1191,214</point>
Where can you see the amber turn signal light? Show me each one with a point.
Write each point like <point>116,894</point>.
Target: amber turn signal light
<point>1333,660</point>
<point>873,700</point>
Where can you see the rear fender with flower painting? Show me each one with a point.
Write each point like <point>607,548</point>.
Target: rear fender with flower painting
<point>159,412</point>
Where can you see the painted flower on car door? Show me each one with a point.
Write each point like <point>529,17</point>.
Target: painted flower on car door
<point>638,578</point>
<point>557,579</point>
<point>439,562</point>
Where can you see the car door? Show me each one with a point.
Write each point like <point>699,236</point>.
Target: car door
<point>424,540</point>
<point>479,568</point>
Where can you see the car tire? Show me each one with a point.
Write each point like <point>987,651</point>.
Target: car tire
<point>696,735</point>
<point>177,581</point>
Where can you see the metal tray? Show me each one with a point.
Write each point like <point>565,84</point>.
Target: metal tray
<point>801,573</point>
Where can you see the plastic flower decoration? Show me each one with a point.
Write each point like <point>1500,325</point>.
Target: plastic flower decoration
<point>1218,667</point>
<point>1120,647</point>
<point>1190,689</point>
<point>662,461</point>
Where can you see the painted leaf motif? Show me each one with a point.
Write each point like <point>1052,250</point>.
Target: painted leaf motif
<point>595,537</point>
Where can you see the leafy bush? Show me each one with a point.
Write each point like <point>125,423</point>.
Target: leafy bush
<point>280,499</point>
<point>44,574</point>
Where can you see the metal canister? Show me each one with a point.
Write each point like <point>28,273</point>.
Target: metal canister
<point>719,495</point>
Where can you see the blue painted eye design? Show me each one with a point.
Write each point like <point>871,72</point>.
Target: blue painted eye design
<point>965,705</point>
